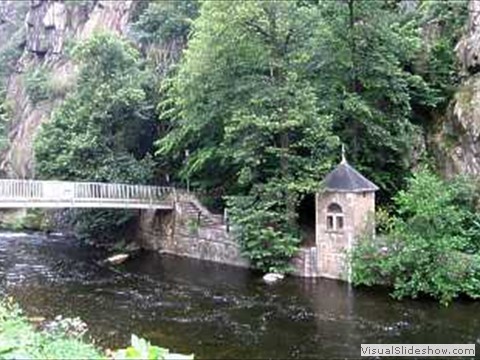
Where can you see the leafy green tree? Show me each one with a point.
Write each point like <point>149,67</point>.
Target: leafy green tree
<point>442,25</point>
<point>104,130</point>
<point>245,110</point>
<point>164,21</point>
<point>362,56</point>
<point>97,134</point>
<point>162,31</point>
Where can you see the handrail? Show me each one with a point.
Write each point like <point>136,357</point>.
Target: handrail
<point>77,192</point>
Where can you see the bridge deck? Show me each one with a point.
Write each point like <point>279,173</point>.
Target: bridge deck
<point>65,194</point>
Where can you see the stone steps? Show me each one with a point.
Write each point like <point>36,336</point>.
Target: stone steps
<point>209,220</point>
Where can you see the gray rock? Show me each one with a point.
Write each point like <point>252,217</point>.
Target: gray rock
<point>273,277</point>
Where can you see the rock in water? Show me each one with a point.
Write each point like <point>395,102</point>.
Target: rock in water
<point>133,246</point>
<point>273,277</point>
<point>117,259</point>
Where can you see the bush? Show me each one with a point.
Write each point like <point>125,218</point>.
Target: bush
<point>20,340</point>
<point>33,219</point>
<point>423,251</point>
<point>37,84</point>
<point>142,349</point>
<point>264,234</point>
<point>165,20</point>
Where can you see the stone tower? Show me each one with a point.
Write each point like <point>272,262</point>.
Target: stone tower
<point>344,209</point>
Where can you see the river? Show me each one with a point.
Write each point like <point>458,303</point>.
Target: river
<point>216,311</point>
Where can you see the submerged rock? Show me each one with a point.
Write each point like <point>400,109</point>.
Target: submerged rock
<point>132,247</point>
<point>117,259</point>
<point>273,277</point>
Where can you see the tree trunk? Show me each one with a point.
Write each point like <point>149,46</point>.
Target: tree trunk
<point>354,127</point>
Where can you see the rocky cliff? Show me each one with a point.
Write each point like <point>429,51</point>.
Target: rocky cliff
<point>458,137</point>
<point>49,26</point>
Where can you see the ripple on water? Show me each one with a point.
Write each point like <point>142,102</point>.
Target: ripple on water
<point>212,310</point>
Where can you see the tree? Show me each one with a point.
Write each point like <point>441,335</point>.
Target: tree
<point>245,110</point>
<point>105,129</point>
<point>162,31</point>
<point>363,53</point>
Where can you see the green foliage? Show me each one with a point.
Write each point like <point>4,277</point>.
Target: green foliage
<point>9,54</point>
<point>15,224</point>
<point>20,340</point>
<point>36,219</point>
<point>443,24</point>
<point>36,82</point>
<point>104,130</point>
<point>267,239</point>
<point>244,107</point>
<point>265,87</point>
<point>361,55</point>
<point>423,249</point>
<point>142,349</point>
<point>33,219</point>
<point>62,339</point>
<point>102,227</point>
<point>5,116</point>
<point>164,21</point>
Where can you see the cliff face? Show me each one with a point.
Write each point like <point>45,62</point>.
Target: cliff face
<point>49,25</point>
<point>458,139</point>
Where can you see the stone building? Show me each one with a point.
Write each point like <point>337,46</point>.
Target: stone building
<point>344,210</point>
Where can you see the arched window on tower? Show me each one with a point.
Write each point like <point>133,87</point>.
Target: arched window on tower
<point>334,217</point>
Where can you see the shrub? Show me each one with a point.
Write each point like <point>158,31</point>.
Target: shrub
<point>33,219</point>
<point>423,251</point>
<point>142,349</point>
<point>63,339</point>
<point>264,234</point>
<point>20,340</point>
<point>36,82</point>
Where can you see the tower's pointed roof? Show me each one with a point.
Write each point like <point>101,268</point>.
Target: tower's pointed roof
<point>345,178</point>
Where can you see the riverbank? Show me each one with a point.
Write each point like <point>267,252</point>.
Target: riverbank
<point>63,338</point>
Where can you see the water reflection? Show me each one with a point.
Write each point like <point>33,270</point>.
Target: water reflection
<point>216,311</point>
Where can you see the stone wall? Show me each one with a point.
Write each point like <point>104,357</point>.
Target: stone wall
<point>333,245</point>
<point>305,263</point>
<point>190,232</point>
<point>155,228</point>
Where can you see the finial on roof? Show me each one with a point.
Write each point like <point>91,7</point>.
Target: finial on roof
<point>344,159</point>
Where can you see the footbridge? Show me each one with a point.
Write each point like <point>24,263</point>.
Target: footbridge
<point>66,194</point>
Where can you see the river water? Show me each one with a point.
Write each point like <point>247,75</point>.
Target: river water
<point>216,311</point>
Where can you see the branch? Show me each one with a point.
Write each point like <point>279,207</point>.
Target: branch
<point>259,29</point>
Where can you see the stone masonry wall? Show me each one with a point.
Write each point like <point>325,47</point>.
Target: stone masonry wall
<point>305,263</point>
<point>332,246</point>
<point>184,232</point>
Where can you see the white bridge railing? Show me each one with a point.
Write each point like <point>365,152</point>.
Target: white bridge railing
<point>35,193</point>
